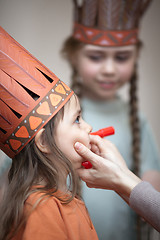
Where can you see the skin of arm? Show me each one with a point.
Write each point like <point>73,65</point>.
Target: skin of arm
<point>109,169</point>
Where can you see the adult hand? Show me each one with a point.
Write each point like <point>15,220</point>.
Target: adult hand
<point>109,169</point>
<point>102,170</point>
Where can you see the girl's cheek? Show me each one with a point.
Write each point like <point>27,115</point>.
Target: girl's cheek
<point>88,75</point>
<point>127,73</point>
<point>83,138</point>
<point>88,68</point>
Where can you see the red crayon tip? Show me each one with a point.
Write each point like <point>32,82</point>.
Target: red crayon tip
<point>102,133</point>
<point>86,164</point>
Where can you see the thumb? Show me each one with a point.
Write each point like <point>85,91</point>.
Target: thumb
<point>85,153</point>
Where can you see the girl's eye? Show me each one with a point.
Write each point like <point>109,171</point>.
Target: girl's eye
<point>77,119</point>
<point>95,58</point>
<point>122,57</point>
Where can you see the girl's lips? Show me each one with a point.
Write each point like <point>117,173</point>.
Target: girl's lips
<point>107,85</point>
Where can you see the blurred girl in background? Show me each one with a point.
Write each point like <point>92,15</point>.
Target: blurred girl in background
<point>103,52</point>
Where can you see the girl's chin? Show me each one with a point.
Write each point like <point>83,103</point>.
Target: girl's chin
<point>104,96</point>
<point>101,94</point>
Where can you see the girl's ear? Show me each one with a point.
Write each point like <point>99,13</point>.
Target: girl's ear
<point>40,142</point>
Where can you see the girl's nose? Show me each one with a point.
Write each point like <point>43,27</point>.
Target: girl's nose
<point>87,127</point>
<point>108,67</point>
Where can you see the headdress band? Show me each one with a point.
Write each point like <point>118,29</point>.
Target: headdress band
<point>105,37</point>
<point>108,22</point>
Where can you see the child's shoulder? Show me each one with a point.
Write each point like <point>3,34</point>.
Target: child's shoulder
<point>45,206</point>
<point>50,206</point>
<point>43,200</point>
<point>39,193</point>
<point>36,199</point>
<point>44,213</point>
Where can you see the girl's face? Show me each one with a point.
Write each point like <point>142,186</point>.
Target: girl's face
<point>103,70</point>
<point>70,129</point>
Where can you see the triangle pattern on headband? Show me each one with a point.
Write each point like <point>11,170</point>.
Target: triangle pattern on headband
<point>55,99</point>
<point>15,144</point>
<point>108,22</point>
<point>60,89</point>
<point>43,109</point>
<point>34,122</point>
<point>22,132</point>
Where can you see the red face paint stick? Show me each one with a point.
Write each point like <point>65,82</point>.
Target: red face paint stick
<point>102,133</point>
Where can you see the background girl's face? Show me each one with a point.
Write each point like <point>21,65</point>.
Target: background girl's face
<point>70,129</point>
<point>104,69</point>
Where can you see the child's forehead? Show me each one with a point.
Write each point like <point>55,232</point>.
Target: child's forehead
<point>94,48</point>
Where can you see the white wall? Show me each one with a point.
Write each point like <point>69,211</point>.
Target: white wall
<point>42,25</point>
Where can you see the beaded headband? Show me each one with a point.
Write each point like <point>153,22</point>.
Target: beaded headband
<point>30,95</point>
<point>108,22</point>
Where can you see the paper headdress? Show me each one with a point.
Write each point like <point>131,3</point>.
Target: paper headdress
<point>30,95</point>
<point>108,22</point>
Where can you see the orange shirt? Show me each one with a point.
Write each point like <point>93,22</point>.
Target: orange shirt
<point>52,220</point>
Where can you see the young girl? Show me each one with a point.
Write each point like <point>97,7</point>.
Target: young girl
<point>103,53</point>
<point>41,121</point>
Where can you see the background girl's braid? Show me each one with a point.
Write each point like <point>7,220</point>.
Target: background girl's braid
<point>143,230</point>
<point>135,126</point>
<point>135,130</point>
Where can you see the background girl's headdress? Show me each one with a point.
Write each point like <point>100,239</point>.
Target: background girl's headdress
<point>108,22</point>
<point>30,95</point>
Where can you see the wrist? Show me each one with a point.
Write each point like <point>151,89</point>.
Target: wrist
<point>127,181</point>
